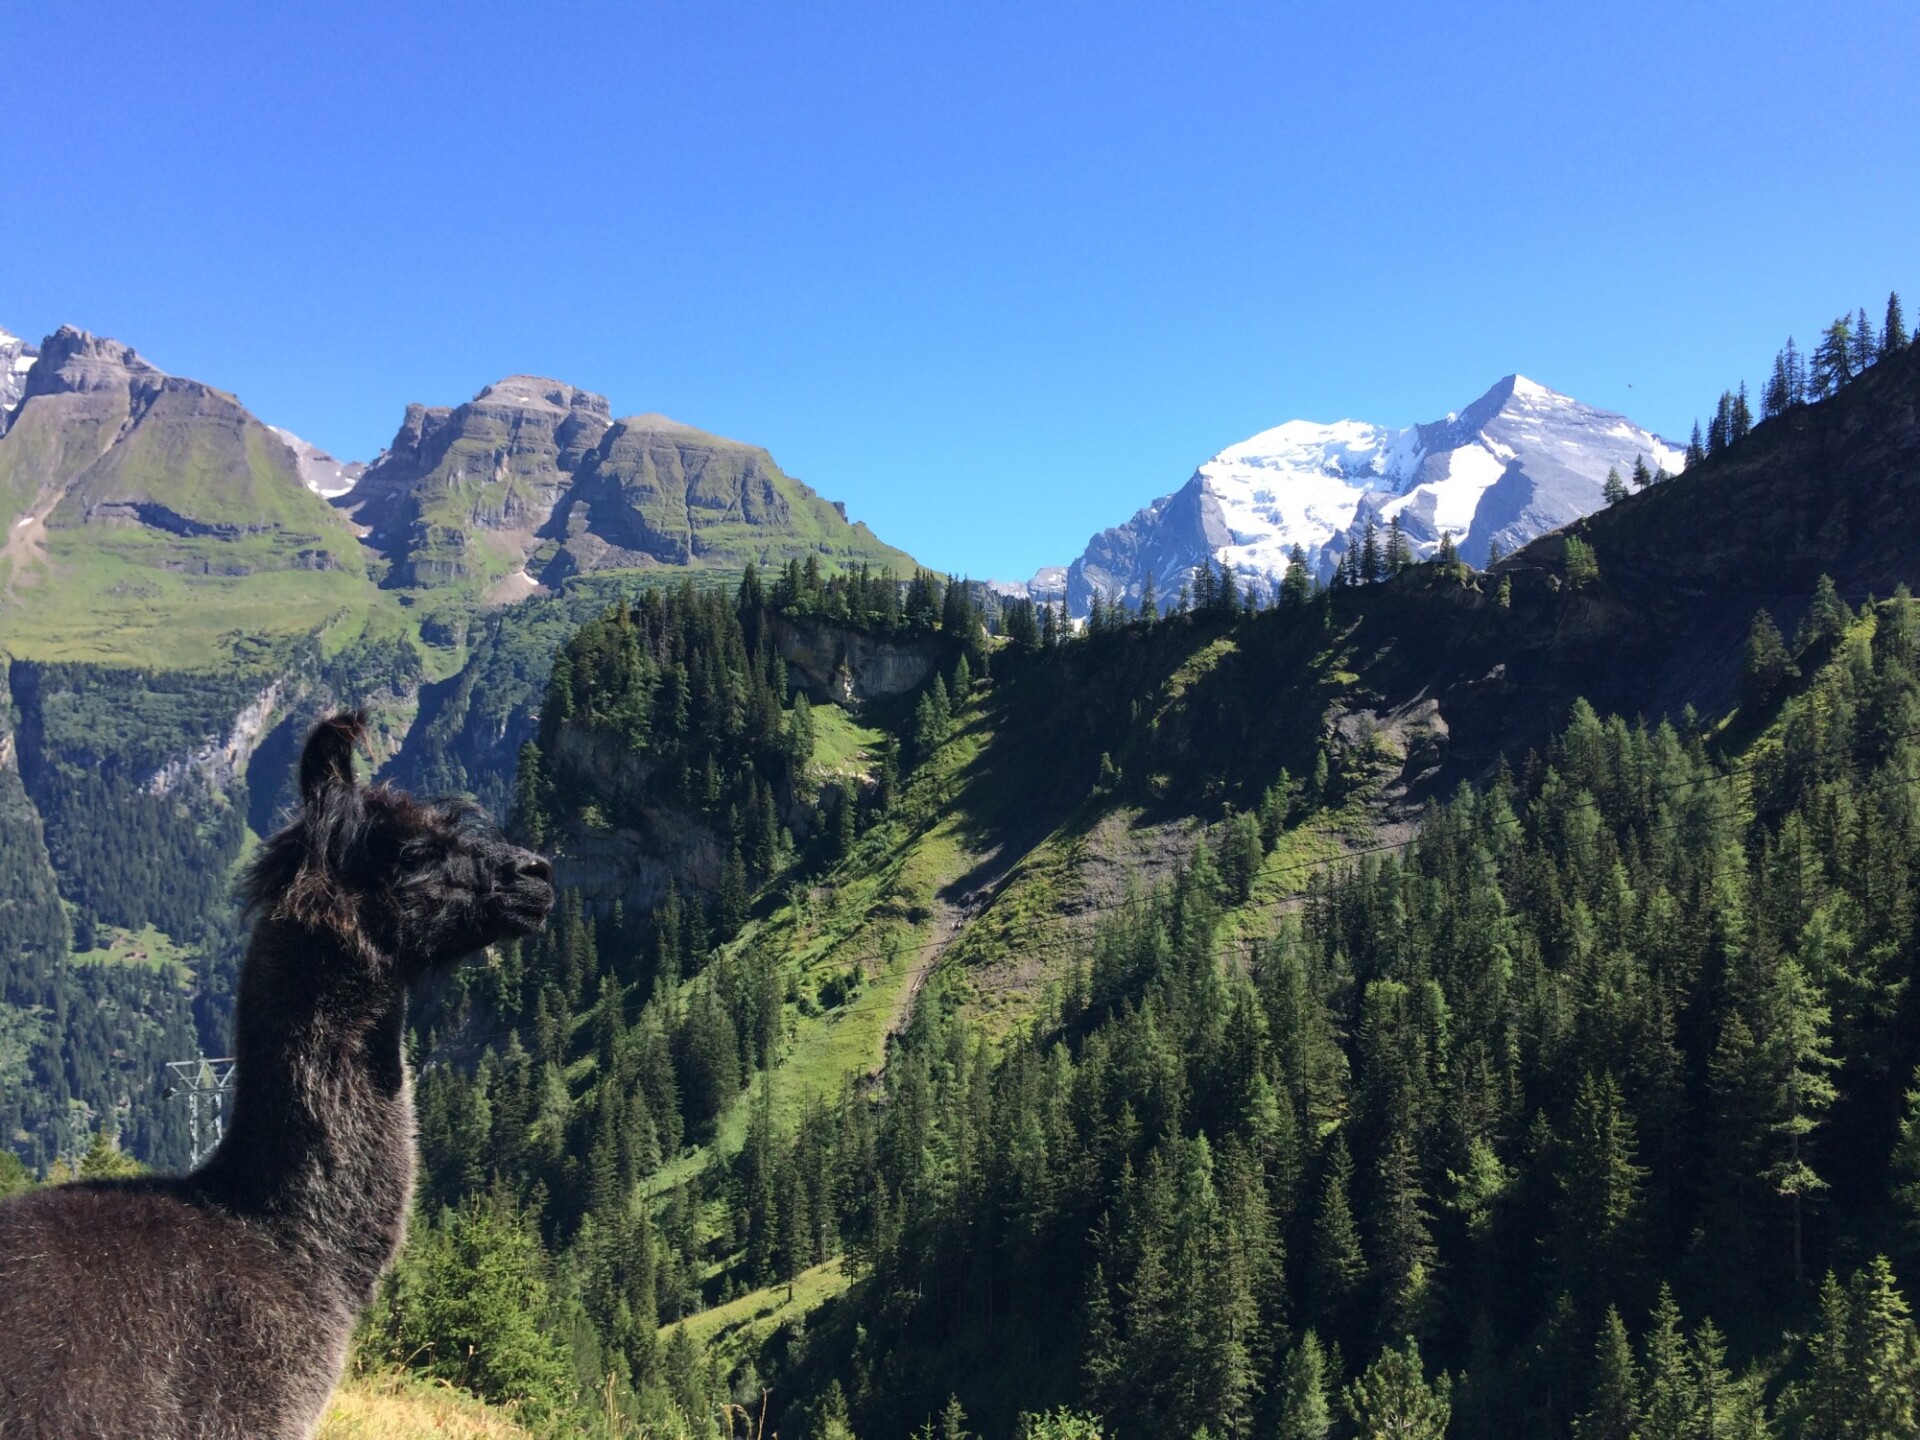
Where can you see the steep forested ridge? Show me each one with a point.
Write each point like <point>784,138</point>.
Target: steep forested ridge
<point>1615,1053</point>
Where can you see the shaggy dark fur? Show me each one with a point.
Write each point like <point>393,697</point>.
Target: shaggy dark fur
<point>219,1304</point>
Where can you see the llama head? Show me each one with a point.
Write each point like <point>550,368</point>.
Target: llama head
<point>407,884</point>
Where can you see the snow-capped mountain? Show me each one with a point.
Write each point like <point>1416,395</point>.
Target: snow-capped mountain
<point>1518,462</point>
<point>16,358</point>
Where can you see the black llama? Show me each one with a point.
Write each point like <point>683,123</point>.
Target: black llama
<point>220,1303</point>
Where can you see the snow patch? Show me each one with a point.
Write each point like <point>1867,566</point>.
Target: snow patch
<point>319,471</point>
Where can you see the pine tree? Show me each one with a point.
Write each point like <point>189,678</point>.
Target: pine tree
<point>1884,1355</point>
<point>468,1302</point>
<point>529,819</point>
<point>1796,374</point>
<point>1741,418</point>
<point>953,1421</point>
<point>1906,1164</point>
<point>1724,1409</point>
<point>1598,1240</point>
<point>1336,1261</point>
<point>1767,665</point>
<point>1583,566</point>
<point>1668,1409</point>
<point>1399,553</point>
<point>1833,358</point>
<point>1779,392</point>
<point>1296,586</point>
<point>1149,602</point>
<point>1304,1412</point>
<point>1402,1239</point>
<point>1864,351</point>
<point>1226,596</point>
<point>1893,330</point>
<point>733,899</point>
<point>1203,585</point>
<point>959,617</point>
<point>1642,477</point>
<point>1615,490</point>
<point>1495,553</point>
<point>1696,448</point>
<point>1719,429</point>
<point>1613,1408</point>
<point>1827,618</point>
<point>1822,1404</point>
<point>1794,1049</point>
<point>104,1159</point>
<point>1371,565</point>
<point>1393,1401</point>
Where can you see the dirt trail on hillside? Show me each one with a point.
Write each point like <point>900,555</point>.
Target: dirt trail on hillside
<point>952,914</point>
<point>25,544</point>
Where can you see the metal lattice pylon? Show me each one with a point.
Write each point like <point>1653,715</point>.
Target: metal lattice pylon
<point>203,1077</point>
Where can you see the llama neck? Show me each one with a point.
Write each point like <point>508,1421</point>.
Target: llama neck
<point>321,1142</point>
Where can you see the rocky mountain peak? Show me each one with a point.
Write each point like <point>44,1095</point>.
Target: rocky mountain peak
<point>76,362</point>
<point>536,392</point>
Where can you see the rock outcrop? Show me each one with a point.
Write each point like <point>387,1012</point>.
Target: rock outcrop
<point>848,666</point>
<point>651,845</point>
<point>463,493</point>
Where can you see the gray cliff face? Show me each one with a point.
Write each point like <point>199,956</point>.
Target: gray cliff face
<point>847,667</point>
<point>1169,538</point>
<point>88,389</point>
<point>633,858</point>
<point>499,463</point>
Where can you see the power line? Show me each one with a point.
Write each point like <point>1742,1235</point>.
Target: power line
<point>193,1079</point>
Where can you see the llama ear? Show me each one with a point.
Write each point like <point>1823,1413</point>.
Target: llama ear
<point>328,759</point>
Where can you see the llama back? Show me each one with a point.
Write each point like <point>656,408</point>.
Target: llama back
<point>135,1309</point>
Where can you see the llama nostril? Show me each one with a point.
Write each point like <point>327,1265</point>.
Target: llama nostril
<point>537,866</point>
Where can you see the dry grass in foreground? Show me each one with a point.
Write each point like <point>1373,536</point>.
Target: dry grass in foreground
<point>392,1405</point>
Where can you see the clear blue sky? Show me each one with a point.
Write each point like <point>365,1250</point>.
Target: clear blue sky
<point>993,274</point>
